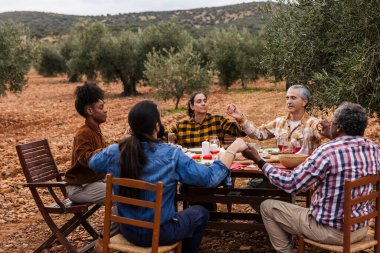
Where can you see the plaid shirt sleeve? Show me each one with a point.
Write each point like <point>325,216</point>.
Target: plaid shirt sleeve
<point>264,132</point>
<point>303,177</point>
<point>230,127</point>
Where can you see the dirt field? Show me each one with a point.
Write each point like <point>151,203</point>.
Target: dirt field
<point>45,110</point>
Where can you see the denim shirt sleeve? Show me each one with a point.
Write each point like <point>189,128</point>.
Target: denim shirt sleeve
<point>191,172</point>
<point>106,161</point>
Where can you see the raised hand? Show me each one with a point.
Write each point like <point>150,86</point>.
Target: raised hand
<point>324,128</point>
<point>234,111</point>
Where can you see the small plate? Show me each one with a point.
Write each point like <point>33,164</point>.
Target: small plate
<point>195,150</point>
<point>272,151</point>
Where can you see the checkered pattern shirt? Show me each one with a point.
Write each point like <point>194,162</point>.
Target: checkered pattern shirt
<point>280,127</point>
<point>347,157</point>
<point>189,133</point>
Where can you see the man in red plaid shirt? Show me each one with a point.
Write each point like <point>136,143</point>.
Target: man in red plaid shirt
<point>347,156</point>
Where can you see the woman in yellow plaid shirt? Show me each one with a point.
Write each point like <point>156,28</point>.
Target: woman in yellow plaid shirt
<point>201,125</point>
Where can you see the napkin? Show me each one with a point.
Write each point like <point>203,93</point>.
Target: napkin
<point>237,166</point>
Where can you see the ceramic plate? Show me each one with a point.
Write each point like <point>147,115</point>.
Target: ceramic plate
<point>272,151</point>
<point>206,162</point>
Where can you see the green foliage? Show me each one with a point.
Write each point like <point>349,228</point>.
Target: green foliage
<point>224,55</point>
<point>333,46</point>
<point>120,58</point>
<point>249,57</point>
<point>85,38</point>
<point>16,55</point>
<point>165,35</point>
<point>235,55</point>
<point>50,61</point>
<point>176,74</point>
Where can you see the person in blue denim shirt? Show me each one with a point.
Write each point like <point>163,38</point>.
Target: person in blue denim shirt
<point>141,156</point>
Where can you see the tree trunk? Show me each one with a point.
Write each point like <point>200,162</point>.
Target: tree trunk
<point>177,102</point>
<point>129,88</point>
<point>288,84</point>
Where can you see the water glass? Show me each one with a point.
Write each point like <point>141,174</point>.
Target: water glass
<point>214,147</point>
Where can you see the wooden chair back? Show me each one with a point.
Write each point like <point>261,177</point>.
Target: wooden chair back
<point>113,198</point>
<point>37,162</point>
<point>349,221</point>
<point>228,139</point>
<point>41,174</point>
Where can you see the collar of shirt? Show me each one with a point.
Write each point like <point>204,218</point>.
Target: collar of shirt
<point>93,126</point>
<point>303,120</point>
<point>207,118</point>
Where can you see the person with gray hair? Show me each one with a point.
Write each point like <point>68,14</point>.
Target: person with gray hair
<point>292,128</point>
<point>347,156</point>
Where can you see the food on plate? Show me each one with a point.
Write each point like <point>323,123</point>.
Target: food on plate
<point>266,155</point>
<point>207,157</point>
<point>196,157</point>
<point>272,151</point>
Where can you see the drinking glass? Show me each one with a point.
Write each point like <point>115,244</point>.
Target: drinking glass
<point>284,146</point>
<point>171,137</point>
<point>214,147</point>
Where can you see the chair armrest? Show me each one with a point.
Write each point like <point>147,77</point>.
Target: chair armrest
<point>50,186</point>
<point>46,184</point>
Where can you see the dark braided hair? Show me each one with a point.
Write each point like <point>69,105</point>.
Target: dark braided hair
<point>142,119</point>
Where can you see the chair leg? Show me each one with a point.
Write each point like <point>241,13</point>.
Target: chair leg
<point>57,234</point>
<point>301,244</point>
<point>60,234</point>
<point>65,230</point>
<point>179,248</point>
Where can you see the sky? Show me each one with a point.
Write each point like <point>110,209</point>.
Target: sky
<point>99,7</point>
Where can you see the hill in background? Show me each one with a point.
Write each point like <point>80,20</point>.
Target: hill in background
<point>197,21</point>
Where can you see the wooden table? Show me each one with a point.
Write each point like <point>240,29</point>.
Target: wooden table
<point>237,221</point>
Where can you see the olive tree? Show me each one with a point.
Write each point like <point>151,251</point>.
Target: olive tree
<point>249,57</point>
<point>85,38</point>
<point>16,55</point>
<point>223,55</point>
<point>331,46</point>
<point>176,73</point>
<point>120,58</point>
<point>50,61</point>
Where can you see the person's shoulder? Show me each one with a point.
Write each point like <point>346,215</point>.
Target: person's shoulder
<point>83,130</point>
<point>313,119</point>
<point>183,121</point>
<point>165,149</point>
<point>215,116</point>
<point>113,147</point>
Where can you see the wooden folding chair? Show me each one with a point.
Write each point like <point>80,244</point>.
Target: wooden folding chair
<point>42,175</point>
<point>370,240</point>
<point>118,242</point>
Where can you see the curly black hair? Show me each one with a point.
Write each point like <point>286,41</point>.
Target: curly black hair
<point>87,94</point>
<point>352,117</point>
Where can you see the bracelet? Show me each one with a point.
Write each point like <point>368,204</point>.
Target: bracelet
<point>232,153</point>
